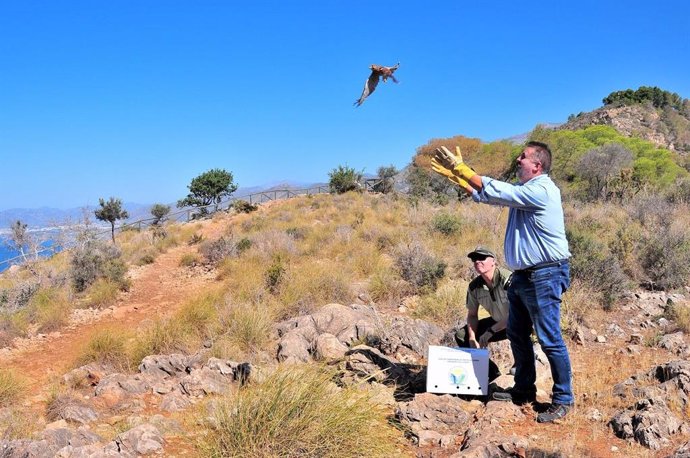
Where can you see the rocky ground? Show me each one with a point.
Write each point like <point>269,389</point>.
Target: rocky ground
<point>631,378</point>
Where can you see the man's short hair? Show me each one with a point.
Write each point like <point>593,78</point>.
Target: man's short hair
<point>543,154</point>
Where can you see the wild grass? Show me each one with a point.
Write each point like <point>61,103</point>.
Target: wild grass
<point>160,337</point>
<point>50,309</point>
<point>196,321</point>
<point>299,411</point>
<point>12,387</point>
<point>445,306</point>
<point>102,293</point>
<point>106,346</point>
<point>309,285</point>
<point>248,327</point>
<point>58,401</point>
<point>189,260</point>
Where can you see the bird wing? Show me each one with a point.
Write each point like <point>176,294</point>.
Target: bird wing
<point>369,87</point>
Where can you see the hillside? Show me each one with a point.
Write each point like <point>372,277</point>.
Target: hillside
<point>315,272</point>
<point>665,126</point>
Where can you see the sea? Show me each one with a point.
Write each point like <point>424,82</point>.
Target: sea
<point>7,252</point>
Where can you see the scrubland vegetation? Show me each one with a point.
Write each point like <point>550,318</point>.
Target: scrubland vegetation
<point>627,226</point>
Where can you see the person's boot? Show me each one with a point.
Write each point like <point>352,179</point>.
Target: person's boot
<point>516,397</point>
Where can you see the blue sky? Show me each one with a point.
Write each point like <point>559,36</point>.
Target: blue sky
<point>133,99</point>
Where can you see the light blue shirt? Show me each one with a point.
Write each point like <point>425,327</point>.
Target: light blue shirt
<point>536,229</point>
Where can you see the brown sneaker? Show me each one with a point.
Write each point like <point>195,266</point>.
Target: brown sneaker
<point>555,412</point>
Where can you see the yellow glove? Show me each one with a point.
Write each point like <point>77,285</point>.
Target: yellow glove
<point>454,163</point>
<point>438,168</point>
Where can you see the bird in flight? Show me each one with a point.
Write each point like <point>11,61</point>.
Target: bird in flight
<point>377,72</point>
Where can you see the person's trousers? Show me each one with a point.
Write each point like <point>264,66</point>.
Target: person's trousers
<point>463,340</point>
<point>535,304</point>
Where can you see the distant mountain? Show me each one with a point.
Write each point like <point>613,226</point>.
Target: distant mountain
<point>43,217</point>
<point>522,138</point>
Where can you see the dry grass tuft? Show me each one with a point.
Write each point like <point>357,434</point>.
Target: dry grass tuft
<point>299,411</point>
<point>106,346</point>
<point>12,387</point>
<point>102,293</point>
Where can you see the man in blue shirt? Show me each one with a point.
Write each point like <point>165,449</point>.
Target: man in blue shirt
<point>536,249</point>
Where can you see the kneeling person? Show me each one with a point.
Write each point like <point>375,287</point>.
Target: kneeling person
<point>488,290</point>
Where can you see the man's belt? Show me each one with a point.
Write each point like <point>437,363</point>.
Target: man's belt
<point>544,265</point>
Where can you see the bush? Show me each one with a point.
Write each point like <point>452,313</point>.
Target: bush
<point>11,325</point>
<point>189,260</point>
<point>344,179</point>
<point>195,238</point>
<point>446,224</point>
<point>216,251</point>
<point>594,266</point>
<point>95,259</point>
<point>242,206</point>
<point>146,259</point>
<point>298,411</point>
<point>274,274</point>
<point>18,296</point>
<point>418,267</point>
<point>665,258</point>
<point>243,245</point>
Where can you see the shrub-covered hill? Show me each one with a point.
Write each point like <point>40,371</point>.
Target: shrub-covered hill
<point>649,113</point>
<point>201,297</point>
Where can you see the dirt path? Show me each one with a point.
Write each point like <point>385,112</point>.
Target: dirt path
<point>157,290</point>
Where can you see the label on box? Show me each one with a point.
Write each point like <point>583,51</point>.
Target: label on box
<point>458,370</point>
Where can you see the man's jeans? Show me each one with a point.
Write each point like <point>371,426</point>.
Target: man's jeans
<point>535,303</point>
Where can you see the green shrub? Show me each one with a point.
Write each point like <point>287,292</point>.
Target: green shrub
<point>95,259</point>
<point>418,267</point>
<point>146,259</point>
<point>446,224</point>
<point>274,274</point>
<point>243,245</point>
<point>594,266</point>
<point>195,238</point>
<point>299,411</point>
<point>343,179</point>
<point>242,206</point>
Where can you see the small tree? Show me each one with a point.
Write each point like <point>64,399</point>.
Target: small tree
<point>160,212</point>
<point>111,211</point>
<point>344,179</point>
<point>385,176</point>
<point>601,167</point>
<point>20,237</point>
<point>209,188</point>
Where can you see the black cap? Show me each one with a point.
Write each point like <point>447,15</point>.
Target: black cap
<point>480,251</point>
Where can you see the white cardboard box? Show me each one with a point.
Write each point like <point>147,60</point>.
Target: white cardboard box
<point>458,370</point>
